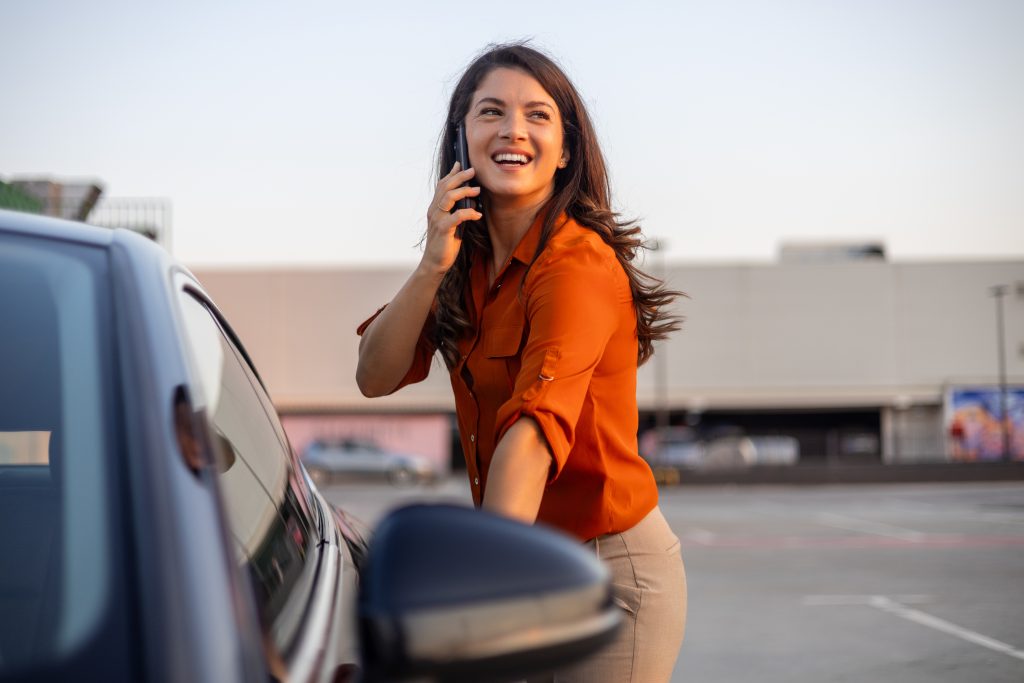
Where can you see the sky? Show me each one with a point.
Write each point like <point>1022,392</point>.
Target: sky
<point>304,133</point>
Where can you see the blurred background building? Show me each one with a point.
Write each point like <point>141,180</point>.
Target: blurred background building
<point>853,358</point>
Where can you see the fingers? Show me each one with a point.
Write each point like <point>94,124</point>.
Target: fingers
<point>445,225</point>
<point>463,215</point>
<point>451,198</point>
<point>443,203</point>
<point>450,189</point>
<point>455,178</point>
<point>450,221</point>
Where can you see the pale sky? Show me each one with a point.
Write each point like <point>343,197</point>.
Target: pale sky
<point>304,132</point>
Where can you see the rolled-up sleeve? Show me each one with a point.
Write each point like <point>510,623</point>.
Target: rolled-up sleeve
<point>571,302</point>
<point>422,355</point>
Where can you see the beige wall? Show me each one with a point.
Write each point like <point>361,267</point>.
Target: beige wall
<point>756,336</point>
<point>300,328</point>
<point>845,334</point>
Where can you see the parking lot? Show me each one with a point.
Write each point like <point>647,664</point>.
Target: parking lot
<point>816,584</point>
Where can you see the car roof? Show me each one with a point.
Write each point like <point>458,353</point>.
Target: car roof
<point>56,228</point>
<point>59,229</point>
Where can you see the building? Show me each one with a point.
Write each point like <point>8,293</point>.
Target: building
<point>856,358</point>
<point>83,200</point>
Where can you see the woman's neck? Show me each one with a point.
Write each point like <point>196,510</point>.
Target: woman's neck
<point>506,224</point>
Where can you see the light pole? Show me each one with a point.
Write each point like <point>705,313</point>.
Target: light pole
<point>998,292</point>
<point>661,415</point>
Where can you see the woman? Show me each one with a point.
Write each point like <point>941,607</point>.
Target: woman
<point>542,319</point>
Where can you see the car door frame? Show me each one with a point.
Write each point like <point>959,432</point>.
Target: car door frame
<point>327,637</point>
<point>191,612</point>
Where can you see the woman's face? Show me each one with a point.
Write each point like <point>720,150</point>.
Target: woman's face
<point>514,134</point>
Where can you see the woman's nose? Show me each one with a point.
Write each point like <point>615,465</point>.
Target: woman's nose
<point>515,129</point>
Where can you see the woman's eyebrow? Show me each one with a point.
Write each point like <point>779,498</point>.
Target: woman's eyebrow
<point>502,103</point>
<point>490,100</point>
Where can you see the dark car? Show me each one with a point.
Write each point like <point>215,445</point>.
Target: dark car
<point>156,525</point>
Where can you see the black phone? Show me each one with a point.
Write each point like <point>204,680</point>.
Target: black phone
<point>462,156</point>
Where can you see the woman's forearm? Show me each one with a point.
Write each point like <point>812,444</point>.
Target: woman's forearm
<point>518,472</point>
<point>387,346</point>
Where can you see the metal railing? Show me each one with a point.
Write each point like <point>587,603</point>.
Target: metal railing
<point>150,216</point>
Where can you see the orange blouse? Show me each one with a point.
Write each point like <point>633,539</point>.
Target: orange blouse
<point>555,342</point>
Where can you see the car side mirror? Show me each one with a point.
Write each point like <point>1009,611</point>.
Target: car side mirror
<point>454,594</point>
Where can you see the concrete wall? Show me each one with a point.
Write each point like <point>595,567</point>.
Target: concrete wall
<point>847,334</point>
<point>300,328</point>
<point>756,336</point>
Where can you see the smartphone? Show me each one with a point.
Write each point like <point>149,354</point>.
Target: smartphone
<point>462,156</point>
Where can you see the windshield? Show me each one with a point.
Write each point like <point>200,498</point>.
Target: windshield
<point>56,546</point>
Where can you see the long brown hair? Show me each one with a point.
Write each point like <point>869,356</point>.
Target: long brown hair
<point>582,192</point>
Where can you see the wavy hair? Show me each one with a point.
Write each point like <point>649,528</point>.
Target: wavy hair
<point>582,192</point>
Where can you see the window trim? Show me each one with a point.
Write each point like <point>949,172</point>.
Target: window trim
<point>310,596</point>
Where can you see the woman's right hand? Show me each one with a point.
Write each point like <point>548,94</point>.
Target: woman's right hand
<point>442,246</point>
<point>388,346</point>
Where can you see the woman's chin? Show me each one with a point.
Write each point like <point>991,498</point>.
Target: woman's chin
<point>508,194</point>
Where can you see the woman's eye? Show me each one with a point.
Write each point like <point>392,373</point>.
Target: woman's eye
<point>541,115</point>
<point>490,111</point>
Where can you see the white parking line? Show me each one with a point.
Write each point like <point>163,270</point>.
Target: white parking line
<point>918,617</point>
<point>896,607</point>
<point>830,600</point>
<point>865,526</point>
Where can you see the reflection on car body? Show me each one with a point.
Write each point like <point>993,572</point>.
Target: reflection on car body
<point>156,525</point>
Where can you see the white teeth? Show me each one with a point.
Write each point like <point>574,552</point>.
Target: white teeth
<point>516,158</point>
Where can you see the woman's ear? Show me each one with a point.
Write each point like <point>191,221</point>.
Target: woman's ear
<point>564,161</point>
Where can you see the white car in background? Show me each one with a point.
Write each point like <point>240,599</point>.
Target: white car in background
<point>358,459</point>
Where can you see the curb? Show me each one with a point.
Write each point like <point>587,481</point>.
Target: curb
<point>844,474</point>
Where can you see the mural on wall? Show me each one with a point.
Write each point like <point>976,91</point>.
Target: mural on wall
<point>975,424</point>
<point>426,436</point>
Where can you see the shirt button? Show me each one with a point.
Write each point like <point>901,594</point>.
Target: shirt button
<point>472,438</point>
<point>476,481</point>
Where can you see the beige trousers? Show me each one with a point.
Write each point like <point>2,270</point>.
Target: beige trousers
<point>649,585</point>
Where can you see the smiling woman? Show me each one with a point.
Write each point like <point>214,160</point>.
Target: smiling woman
<point>515,138</point>
<point>534,303</point>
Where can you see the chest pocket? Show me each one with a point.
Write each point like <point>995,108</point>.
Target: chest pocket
<point>503,344</point>
<point>504,341</point>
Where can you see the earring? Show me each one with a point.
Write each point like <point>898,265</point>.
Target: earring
<point>563,162</point>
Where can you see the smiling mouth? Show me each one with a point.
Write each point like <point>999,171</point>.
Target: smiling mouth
<point>509,159</point>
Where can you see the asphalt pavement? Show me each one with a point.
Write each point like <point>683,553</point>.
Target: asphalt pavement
<point>820,584</point>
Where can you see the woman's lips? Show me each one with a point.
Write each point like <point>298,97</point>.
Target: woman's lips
<point>511,157</point>
<point>512,168</point>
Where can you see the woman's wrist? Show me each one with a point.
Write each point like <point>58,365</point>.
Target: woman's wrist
<point>428,274</point>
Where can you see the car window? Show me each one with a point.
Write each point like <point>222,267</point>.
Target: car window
<point>264,496</point>
<point>59,569</point>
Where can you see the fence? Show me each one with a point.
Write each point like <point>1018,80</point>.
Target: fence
<point>149,216</point>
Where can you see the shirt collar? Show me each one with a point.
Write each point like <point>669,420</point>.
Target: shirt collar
<point>527,247</point>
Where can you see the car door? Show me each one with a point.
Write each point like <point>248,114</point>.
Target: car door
<point>301,576</point>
